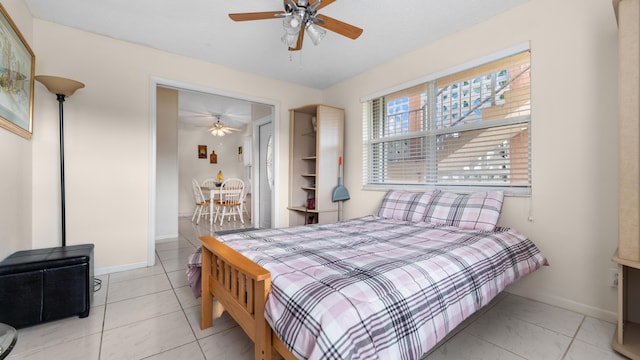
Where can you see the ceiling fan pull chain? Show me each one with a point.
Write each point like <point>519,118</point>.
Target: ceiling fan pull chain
<point>300,65</point>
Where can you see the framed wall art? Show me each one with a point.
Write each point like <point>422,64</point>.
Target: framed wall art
<point>202,151</point>
<point>213,158</point>
<point>17,66</point>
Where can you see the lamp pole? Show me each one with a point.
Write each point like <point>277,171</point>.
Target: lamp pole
<point>62,88</point>
<point>60,98</point>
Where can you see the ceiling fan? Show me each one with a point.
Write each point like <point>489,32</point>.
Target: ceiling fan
<point>303,16</point>
<point>220,129</point>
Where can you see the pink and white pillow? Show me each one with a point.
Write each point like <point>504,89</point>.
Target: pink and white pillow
<point>405,205</point>
<point>475,211</point>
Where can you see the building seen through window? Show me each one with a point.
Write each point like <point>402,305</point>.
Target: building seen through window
<point>470,128</point>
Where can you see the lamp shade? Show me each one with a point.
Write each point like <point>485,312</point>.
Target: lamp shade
<point>59,85</point>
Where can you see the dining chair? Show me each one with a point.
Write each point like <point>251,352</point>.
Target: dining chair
<point>229,202</point>
<point>210,190</point>
<point>202,203</point>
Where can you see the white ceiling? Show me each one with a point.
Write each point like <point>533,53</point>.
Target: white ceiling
<point>201,29</point>
<point>201,109</point>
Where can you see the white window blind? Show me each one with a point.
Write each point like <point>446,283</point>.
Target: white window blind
<point>467,129</point>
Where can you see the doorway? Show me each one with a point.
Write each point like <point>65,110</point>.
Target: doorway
<point>156,147</point>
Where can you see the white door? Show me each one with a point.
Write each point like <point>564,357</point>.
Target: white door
<point>265,161</point>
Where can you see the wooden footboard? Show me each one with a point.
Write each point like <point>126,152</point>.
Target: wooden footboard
<point>241,286</point>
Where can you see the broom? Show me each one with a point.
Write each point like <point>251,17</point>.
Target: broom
<point>340,193</point>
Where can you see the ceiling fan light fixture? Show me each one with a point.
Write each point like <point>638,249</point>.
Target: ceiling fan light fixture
<point>292,24</point>
<point>300,16</point>
<point>316,33</point>
<point>217,132</point>
<point>220,129</point>
<point>289,39</point>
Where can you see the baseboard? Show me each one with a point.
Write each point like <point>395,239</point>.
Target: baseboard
<point>165,238</point>
<point>609,316</point>
<point>111,269</point>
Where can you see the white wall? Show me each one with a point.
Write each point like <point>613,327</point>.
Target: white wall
<point>16,164</point>
<point>574,132</point>
<point>107,138</point>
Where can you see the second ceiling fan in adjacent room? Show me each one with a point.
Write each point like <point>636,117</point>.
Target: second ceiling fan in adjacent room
<point>220,129</point>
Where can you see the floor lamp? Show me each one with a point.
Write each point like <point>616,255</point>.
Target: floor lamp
<point>62,88</point>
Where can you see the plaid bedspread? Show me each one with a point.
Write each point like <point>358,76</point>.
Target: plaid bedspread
<point>373,288</point>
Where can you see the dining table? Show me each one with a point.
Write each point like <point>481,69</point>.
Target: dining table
<point>214,193</point>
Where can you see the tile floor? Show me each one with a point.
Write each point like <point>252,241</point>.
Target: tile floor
<point>150,313</point>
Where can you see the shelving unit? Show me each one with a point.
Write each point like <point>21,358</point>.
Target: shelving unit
<point>626,339</point>
<point>313,160</point>
<point>627,336</point>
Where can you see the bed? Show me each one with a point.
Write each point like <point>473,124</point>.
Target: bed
<point>385,286</point>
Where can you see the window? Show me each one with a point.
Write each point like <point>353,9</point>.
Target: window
<point>468,129</point>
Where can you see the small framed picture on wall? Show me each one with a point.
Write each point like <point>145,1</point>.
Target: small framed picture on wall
<point>202,151</point>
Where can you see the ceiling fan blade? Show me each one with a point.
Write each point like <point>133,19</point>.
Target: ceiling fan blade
<point>195,116</point>
<point>220,126</point>
<point>256,15</point>
<point>339,27</point>
<point>226,129</point>
<point>322,4</point>
<point>299,43</point>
